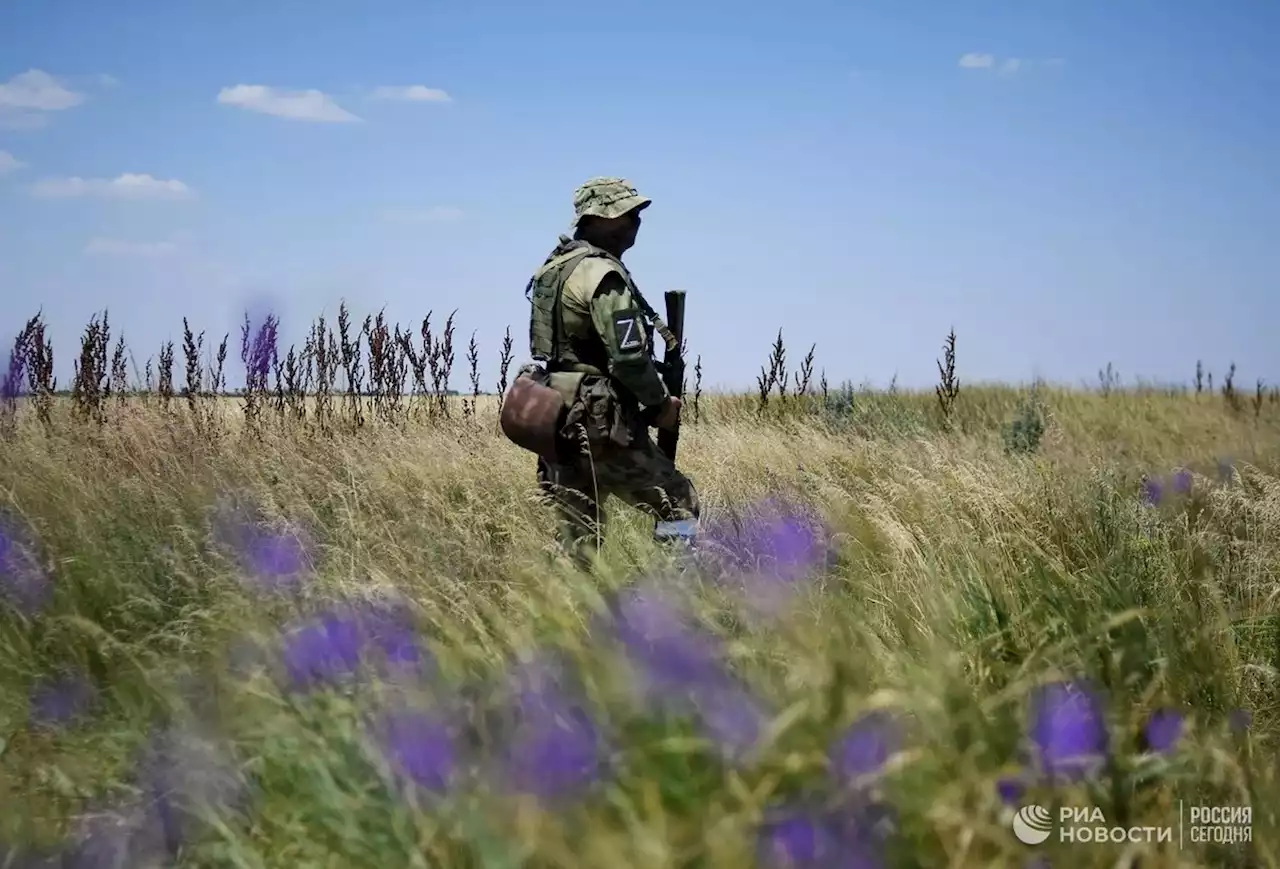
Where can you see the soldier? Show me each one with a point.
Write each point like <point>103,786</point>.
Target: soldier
<point>593,330</point>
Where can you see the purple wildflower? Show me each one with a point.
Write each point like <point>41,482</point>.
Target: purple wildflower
<point>768,553</point>
<point>11,383</point>
<point>1010,790</point>
<point>1152,492</point>
<point>797,841</point>
<point>389,630</point>
<point>273,560</point>
<point>1239,720</point>
<point>1182,481</point>
<point>338,642</point>
<point>683,669</point>
<point>796,838</point>
<point>659,639</point>
<point>1163,730</point>
<point>556,755</point>
<point>535,685</point>
<point>732,718</point>
<point>1068,728</point>
<point>258,351</point>
<point>61,700</point>
<point>556,750</point>
<point>419,747</point>
<point>323,650</point>
<point>23,584</point>
<point>863,749</point>
<point>276,560</point>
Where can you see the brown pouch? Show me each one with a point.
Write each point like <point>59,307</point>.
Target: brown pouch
<point>532,415</point>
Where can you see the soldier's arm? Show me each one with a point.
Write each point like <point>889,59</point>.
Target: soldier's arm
<point>619,321</point>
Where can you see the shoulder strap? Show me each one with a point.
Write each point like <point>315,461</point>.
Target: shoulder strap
<point>667,335</point>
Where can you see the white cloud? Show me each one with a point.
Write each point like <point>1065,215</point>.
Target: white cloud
<point>36,89</point>
<point>26,99</point>
<point>99,246</point>
<point>435,214</point>
<point>9,163</point>
<point>411,93</point>
<point>307,105</point>
<point>108,81</point>
<point>126,186</point>
<point>1007,65</point>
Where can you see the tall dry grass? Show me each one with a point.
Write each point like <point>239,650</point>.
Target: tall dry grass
<point>163,561</point>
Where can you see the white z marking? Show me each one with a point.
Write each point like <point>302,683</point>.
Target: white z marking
<point>629,340</point>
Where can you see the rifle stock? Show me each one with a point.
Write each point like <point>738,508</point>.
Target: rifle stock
<point>673,367</point>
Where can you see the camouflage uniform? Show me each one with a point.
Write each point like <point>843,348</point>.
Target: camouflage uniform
<point>593,330</point>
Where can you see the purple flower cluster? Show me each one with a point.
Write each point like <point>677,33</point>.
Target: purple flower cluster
<point>24,586</point>
<point>1152,492</point>
<point>274,561</point>
<point>1068,729</point>
<point>332,646</point>
<point>864,748</point>
<point>681,665</point>
<point>550,746</point>
<point>61,699</point>
<point>420,747</point>
<point>853,834</point>
<point>556,750</point>
<point>799,837</point>
<point>1163,731</point>
<point>11,382</point>
<point>1161,491</point>
<point>1010,789</point>
<point>259,351</point>
<point>766,553</point>
<point>1069,734</point>
<point>277,560</point>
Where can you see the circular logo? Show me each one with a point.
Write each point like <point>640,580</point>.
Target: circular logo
<point>1032,824</point>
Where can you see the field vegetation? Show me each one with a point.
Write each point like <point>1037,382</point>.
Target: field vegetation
<point>321,622</point>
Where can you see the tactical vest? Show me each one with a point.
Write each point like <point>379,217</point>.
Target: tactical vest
<point>559,345</point>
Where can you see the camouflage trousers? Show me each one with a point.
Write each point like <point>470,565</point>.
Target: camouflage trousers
<point>637,473</point>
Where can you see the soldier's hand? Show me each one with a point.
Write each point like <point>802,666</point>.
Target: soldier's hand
<point>670,413</point>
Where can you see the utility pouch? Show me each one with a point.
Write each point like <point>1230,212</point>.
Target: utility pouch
<point>604,414</point>
<point>533,414</point>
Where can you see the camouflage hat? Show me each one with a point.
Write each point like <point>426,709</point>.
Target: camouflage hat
<point>606,197</point>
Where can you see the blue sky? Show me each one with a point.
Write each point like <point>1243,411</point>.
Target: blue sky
<point>1066,183</point>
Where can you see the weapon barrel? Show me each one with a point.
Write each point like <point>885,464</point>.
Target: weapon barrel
<point>673,366</point>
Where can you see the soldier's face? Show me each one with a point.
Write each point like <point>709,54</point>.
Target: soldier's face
<point>617,234</point>
<point>628,228</point>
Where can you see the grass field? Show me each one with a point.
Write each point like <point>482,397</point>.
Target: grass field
<point>358,650</point>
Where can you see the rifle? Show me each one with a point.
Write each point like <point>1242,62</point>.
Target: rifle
<point>673,367</point>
